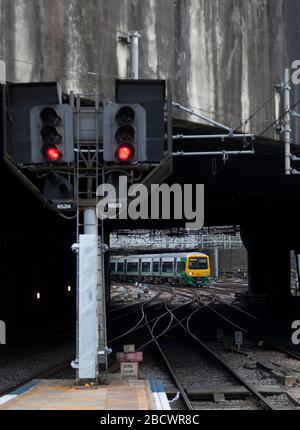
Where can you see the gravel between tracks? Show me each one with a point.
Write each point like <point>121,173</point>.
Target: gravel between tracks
<point>17,372</point>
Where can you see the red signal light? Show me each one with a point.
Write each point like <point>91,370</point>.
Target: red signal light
<point>51,153</point>
<point>124,152</point>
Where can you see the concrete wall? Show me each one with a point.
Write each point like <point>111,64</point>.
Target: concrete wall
<point>222,56</point>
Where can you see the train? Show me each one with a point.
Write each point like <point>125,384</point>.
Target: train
<point>192,269</point>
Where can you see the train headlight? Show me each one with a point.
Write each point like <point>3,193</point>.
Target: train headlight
<point>190,273</point>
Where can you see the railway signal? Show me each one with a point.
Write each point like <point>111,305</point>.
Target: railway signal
<point>52,134</point>
<point>124,133</point>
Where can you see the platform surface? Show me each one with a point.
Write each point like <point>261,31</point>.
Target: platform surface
<point>65,395</point>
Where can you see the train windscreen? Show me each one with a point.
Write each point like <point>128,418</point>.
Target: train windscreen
<point>198,263</point>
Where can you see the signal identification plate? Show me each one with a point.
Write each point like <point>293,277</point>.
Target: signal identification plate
<point>64,206</point>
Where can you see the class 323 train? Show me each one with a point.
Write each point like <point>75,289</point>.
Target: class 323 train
<point>181,268</point>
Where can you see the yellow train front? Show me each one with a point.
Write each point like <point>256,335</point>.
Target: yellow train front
<point>197,269</point>
<point>180,268</point>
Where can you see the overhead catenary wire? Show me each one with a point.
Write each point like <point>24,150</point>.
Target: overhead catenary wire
<point>243,124</point>
<point>234,157</point>
<point>277,89</point>
<point>246,121</point>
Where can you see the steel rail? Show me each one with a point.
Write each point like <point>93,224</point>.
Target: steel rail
<point>114,366</point>
<point>254,335</point>
<point>150,302</point>
<point>185,398</point>
<point>136,327</point>
<point>225,365</point>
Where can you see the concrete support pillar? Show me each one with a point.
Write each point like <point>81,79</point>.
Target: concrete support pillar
<point>268,263</point>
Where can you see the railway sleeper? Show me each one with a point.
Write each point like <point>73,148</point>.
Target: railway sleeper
<point>234,392</point>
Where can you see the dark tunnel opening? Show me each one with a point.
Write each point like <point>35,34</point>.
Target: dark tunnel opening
<point>37,268</point>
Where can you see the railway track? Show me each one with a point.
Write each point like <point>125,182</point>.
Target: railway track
<point>141,325</point>
<point>225,365</point>
<point>263,327</point>
<point>133,308</point>
<point>172,308</point>
<point>160,344</point>
<point>181,310</point>
<point>252,325</point>
<point>194,293</point>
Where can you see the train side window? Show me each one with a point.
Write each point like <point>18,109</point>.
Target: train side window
<point>112,267</point>
<point>180,267</point>
<point>167,267</point>
<point>132,267</point>
<point>146,267</point>
<point>120,267</point>
<point>156,267</point>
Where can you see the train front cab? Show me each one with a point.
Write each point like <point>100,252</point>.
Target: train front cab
<point>197,269</point>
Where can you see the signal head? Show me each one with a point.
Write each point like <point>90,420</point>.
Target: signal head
<point>52,134</point>
<point>124,133</point>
